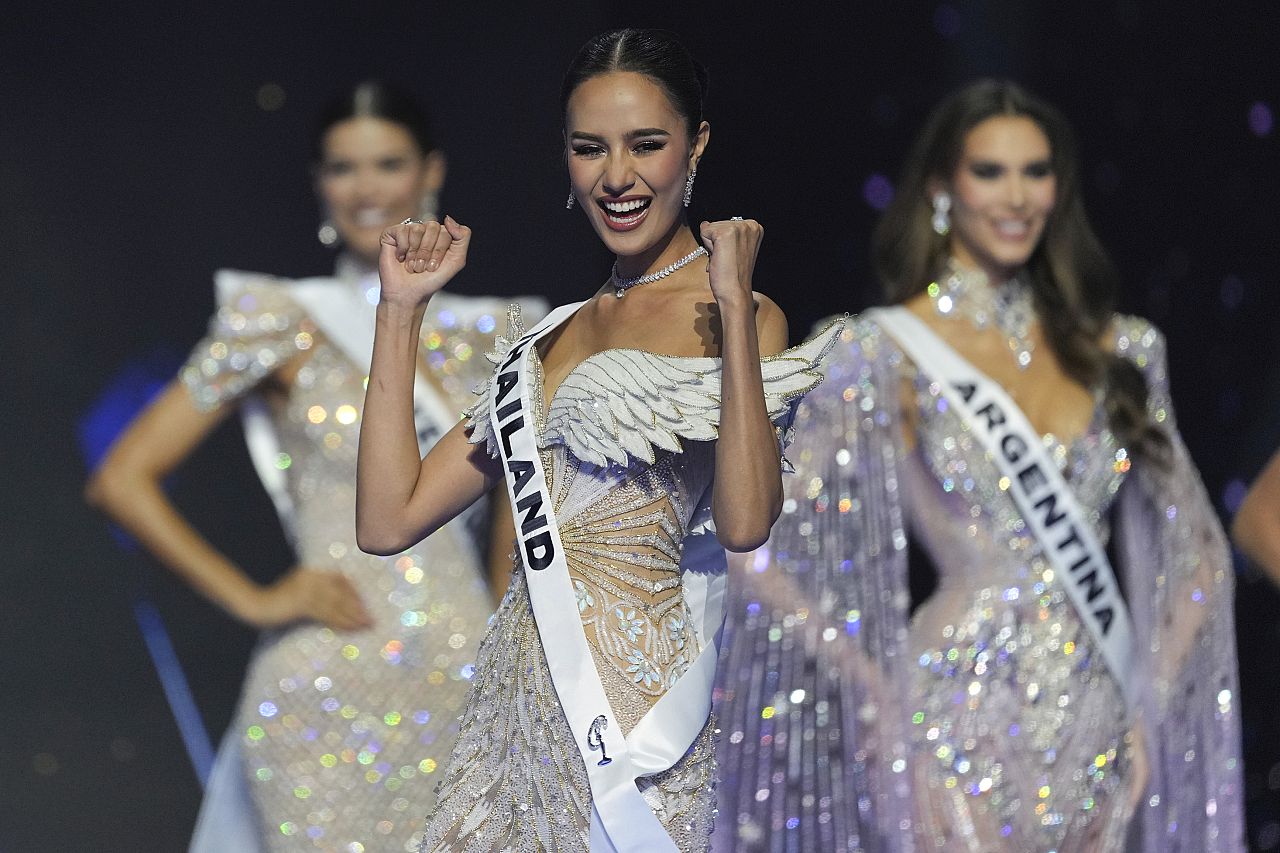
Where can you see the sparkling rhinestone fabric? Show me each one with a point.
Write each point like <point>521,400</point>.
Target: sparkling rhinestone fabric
<point>985,720</point>
<point>343,733</point>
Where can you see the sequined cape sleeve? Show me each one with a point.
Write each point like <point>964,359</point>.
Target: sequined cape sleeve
<point>815,657</point>
<point>1180,584</point>
<point>255,330</point>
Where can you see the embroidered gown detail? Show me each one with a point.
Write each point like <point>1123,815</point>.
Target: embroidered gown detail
<point>987,718</point>
<point>340,734</point>
<point>628,444</point>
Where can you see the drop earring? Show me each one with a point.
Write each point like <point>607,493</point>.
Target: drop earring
<point>688,187</point>
<point>326,233</point>
<point>568,205</point>
<point>941,214</point>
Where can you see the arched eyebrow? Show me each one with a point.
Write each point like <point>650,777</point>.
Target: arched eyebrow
<point>631,134</point>
<point>648,131</point>
<point>995,161</point>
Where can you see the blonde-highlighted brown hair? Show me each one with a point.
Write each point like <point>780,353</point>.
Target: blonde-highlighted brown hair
<point>1071,277</point>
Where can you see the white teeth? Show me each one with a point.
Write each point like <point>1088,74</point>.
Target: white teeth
<point>1013,229</point>
<point>371,218</point>
<point>625,206</point>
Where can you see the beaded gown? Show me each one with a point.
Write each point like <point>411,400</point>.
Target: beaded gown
<point>516,780</point>
<point>985,719</point>
<point>339,735</point>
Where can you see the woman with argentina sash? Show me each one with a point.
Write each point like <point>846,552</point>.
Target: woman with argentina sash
<point>1057,669</point>
<point>588,724</point>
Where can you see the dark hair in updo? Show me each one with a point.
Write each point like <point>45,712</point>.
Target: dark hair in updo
<point>375,99</point>
<point>656,54</point>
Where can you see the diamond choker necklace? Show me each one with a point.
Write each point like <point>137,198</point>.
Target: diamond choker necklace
<point>968,294</point>
<point>622,285</point>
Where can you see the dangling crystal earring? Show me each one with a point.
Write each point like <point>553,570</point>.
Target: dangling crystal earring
<point>568,205</point>
<point>688,187</point>
<point>326,233</point>
<point>429,207</point>
<point>941,214</point>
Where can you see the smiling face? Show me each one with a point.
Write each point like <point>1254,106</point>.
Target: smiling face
<point>372,174</point>
<point>1003,192</point>
<point>629,156</point>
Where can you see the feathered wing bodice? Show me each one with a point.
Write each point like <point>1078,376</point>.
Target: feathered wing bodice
<point>624,405</point>
<point>627,444</point>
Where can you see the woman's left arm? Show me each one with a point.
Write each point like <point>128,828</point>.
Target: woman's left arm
<point>748,474</point>
<point>1256,526</point>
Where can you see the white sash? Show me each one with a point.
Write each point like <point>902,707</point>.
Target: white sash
<point>1045,500</point>
<point>621,819</point>
<point>341,311</point>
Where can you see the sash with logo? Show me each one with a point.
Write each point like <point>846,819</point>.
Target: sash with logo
<point>621,819</point>
<point>1043,497</point>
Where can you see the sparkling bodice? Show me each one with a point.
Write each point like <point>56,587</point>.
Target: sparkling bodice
<point>1002,658</point>
<point>516,780</point>
<point>622,528</point>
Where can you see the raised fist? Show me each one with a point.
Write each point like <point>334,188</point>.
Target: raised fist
<point>419,258</point>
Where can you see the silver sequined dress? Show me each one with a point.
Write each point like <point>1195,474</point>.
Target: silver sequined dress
<point>341,734</point>
<point>985,720</point>
<point>1021,725</point>
<point>516,780</point>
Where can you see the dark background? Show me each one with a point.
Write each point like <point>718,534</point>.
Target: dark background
<point>143,145</point>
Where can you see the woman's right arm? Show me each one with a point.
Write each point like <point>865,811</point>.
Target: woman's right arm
<point>400,499</point>
<point>128,487</point>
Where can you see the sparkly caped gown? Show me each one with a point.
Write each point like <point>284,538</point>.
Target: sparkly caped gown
<point>516,780</point>
<point>339,735</point>
<point>985,719</point>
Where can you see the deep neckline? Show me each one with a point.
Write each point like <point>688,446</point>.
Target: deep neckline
<point>1050,440</point>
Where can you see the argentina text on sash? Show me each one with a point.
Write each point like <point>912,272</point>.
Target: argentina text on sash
<point>1044,498</point>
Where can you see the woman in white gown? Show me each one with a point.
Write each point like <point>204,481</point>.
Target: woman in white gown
<point>351,699</point>
<point>588,723</point>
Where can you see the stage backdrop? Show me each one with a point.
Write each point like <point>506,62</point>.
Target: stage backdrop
<point>146,144</point>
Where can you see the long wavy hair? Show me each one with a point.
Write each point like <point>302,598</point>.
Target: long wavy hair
<point>1073,280</point>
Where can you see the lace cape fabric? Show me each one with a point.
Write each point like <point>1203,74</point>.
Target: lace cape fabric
<point>815,682</point>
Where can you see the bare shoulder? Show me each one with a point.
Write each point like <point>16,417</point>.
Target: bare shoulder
<point>771,325</point>
<point>922,306</point>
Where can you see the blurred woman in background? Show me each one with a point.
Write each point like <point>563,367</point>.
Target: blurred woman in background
<point>352,697</point>
<point>1059,674</point>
